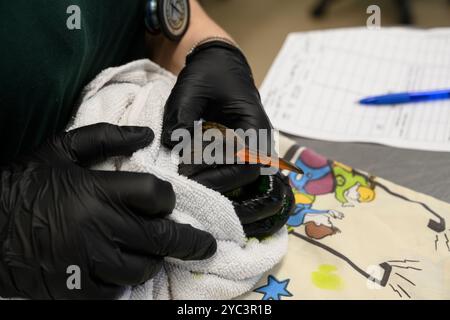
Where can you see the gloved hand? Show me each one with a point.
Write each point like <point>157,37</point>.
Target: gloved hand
<point>217,85</point>
<point>55,213</point>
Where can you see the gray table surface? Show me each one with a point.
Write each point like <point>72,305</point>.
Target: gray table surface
<point>422,171</point>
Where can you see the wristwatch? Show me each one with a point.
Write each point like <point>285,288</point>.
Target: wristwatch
<point>171,17</point>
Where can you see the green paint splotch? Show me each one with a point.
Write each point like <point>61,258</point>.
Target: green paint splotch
<point>326,278</point>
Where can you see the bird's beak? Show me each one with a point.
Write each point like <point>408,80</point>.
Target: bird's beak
<point>249,156</point>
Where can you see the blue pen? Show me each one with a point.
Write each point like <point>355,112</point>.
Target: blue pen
<point>406,97</point>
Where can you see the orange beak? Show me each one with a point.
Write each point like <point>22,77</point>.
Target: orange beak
<point>249,156</point>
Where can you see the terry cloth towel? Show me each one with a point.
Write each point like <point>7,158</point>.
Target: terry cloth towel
<point>135,94</point>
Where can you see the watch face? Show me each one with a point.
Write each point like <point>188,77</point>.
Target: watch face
<point>176,16</point>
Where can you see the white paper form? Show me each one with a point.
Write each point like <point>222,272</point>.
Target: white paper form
<point>313,86</point>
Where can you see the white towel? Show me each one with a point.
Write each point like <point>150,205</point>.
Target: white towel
<point>135,94</point>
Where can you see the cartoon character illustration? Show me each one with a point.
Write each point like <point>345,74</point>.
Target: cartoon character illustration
<point>321,177</point>
<point>350,188</point>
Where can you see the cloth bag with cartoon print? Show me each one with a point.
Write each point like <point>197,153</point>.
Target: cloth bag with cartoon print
<point>356,236</point>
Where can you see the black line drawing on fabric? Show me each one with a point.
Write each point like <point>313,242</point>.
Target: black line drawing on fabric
<point>399,292</point>
<point>385,266</point>
<point>435,225</point>
<point>388,267</point>
<point>404,278</point>
<point>350,188</point>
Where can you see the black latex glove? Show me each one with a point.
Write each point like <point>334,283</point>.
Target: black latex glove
<point>217,85</point>
<point>55,213</point>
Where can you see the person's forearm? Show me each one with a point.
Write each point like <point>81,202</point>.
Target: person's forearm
<point>171,55</point>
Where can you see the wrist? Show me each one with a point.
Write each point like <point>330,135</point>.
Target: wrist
<point>218,53</point>
<point>211,39</point>
<point>172,55</point>
<point>202,27</point>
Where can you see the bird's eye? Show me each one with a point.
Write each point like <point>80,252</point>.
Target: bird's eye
<point>298,177</point>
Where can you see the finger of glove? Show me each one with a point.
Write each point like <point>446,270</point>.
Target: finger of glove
<point>234,97</point>
<point>126,269</point>
<point>252,121</point>
<point>98,142</point>
<point>163,237</point>
<point>185,105</point>
<point>227,177</point>
<point>142,193</point>
<point>193,92</point>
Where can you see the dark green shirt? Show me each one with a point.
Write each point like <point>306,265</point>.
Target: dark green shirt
<point>44,65</point>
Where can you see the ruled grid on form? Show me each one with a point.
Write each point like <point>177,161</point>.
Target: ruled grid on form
<point>313,86</point>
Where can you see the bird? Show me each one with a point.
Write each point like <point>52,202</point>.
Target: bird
<point>240,151</point>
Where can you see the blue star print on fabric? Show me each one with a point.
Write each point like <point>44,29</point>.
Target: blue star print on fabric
<point>274,289</point>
